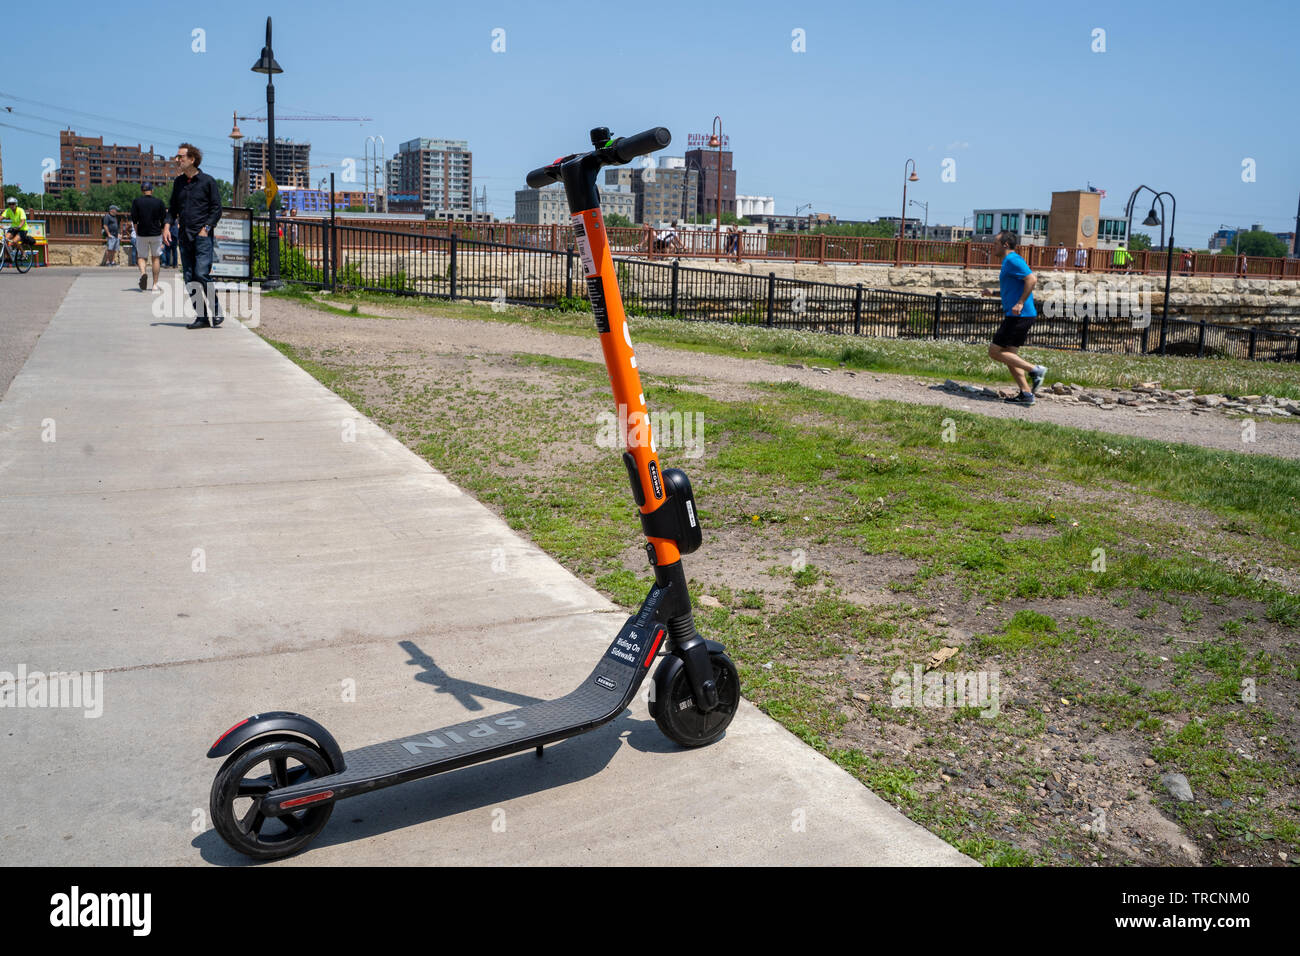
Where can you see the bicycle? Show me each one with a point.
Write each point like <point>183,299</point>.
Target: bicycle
<point>13,250</point>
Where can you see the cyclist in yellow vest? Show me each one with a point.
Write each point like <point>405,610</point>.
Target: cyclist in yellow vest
<point>16,216</point>
<point>1122,258</point>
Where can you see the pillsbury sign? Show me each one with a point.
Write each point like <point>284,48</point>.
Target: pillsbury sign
<point>701,141</point>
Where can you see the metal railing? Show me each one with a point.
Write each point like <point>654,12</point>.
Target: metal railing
<point>83,227</point>
<point>347,256</point>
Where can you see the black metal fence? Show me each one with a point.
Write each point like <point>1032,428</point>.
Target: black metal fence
<point>340,256</point>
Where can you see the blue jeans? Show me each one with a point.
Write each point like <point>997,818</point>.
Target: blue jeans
<point>196,264</point>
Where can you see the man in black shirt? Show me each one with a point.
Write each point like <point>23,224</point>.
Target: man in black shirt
<point>148,212</point>
<point>196,203</point>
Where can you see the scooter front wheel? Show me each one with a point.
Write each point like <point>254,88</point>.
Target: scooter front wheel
<point>251,773</point>
<point>674,707</point>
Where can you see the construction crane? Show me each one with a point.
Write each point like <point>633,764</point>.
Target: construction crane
<point>330,119</point>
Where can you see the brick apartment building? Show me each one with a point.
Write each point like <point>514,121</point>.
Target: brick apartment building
<point>86,161</point>
<point>707,161</point>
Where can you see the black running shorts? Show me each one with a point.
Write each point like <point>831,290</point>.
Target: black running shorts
<point>1013,331</point>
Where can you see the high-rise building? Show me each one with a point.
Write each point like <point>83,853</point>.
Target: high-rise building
<point>292,164</point>
<point>708,161</point>
<point>86,161</point>
<point>439,171</point>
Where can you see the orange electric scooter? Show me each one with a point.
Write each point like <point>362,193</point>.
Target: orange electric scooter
<point>284,772</point>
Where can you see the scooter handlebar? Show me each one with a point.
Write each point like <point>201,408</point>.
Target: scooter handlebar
<point>623,150</point>
<point>628,148</point>
<point>544,176</point>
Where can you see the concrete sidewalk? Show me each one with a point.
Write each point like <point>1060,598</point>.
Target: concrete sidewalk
<point>202,530</point>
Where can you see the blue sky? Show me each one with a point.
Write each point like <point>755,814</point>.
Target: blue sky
<point>1013,93</point>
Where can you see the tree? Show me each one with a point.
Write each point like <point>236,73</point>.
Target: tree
<point>1257,242</point>
<point>728,219</point>
<point>863,230</point>
<point>618,220</point>
<point>1139,241</point>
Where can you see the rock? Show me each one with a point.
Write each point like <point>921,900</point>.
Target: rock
<point>707,600</point>
<point>1184,392</point>
<point>1148,762</point>
<point>794,365</point>
<point>1060,389</point>
<point>1092,397</point>
<point>1178,787</point>
<point>1107,406</point>
<point>1250,399</point>
<point>1208,401</point>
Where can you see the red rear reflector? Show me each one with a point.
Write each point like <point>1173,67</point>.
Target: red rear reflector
<point>654,647</point>
<point>232,730</point>
<point>314,798</point>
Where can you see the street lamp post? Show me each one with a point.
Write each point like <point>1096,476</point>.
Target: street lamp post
<point>266,64</point>
<point>1128,213</point>
<point>235,137</point>
<point>686,178</point>
<point>902,220</point>
<point>926,207</point>
<point>1151,220</point>
<point>372,148</point>
<point>799,209</point>
<point>716,140</point>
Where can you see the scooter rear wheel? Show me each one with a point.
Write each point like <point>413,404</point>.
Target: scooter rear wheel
<point>676,713</point>
<point>249,774</point>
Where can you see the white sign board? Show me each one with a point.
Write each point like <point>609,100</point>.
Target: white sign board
<point>232,245</point>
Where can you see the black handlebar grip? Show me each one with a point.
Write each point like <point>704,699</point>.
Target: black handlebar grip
<point>543,176</point>
<point>628,148</point>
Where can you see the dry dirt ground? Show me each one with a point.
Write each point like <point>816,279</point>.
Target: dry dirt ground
<point>1054,780</point>
<point>1209,428</point>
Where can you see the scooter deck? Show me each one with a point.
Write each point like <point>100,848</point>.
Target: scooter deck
<point>605,693</point>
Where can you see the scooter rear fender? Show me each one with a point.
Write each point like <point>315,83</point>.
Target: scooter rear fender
<point>279,722</point>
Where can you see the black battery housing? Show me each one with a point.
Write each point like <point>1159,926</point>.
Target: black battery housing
<point>676,519</point>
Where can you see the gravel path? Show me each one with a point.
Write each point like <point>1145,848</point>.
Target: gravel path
<point>301,325</point>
